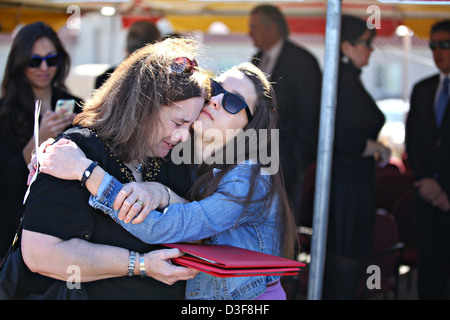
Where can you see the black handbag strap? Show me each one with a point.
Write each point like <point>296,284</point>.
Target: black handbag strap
<point>13,244</point>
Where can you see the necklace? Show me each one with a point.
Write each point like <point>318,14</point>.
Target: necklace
<point>153,165</point>
<point>138,168</point>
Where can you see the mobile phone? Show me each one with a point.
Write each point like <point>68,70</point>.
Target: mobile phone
<point>65,107</point>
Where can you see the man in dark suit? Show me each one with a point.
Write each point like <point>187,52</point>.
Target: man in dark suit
<point>428,147</point>
<point>297,80</point>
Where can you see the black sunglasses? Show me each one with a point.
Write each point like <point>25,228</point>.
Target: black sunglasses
<point>441,44</point>
<point>51,60</point>
<point>231,102</point>
<point>367,43</point>
<point>183,65</point>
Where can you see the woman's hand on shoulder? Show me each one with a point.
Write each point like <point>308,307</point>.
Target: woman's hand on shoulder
<point>63,159</point>
<point>32,166</point>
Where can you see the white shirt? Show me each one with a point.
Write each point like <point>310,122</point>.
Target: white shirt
<point>270,57</point>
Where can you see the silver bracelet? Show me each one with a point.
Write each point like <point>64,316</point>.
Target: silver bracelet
<point>142,265</point>
<point>131,263</point>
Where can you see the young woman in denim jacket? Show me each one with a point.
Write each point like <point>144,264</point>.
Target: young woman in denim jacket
<point>233,202</point>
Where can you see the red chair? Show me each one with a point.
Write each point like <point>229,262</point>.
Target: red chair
<point>306,208</point>
<point>297,285</point>
<point>387,255</point>
<point>389,170</point>
<point>304,217</point>
<point>403,212</point>
<point>390,187</point>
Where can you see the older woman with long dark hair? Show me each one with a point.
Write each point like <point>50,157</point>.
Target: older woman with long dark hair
<point>36,69</point>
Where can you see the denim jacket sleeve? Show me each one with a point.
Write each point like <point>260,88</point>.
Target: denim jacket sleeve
<point>199,219</point>
<point>106,194</point>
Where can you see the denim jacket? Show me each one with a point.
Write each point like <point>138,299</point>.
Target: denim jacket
<point>215,218</point>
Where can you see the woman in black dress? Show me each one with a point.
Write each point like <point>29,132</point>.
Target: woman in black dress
<point>36,69</point>
<point>356,151</point>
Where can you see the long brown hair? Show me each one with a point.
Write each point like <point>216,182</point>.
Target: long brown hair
<point>264,117</point>
<point>17,112</point>
<point>124,111</point>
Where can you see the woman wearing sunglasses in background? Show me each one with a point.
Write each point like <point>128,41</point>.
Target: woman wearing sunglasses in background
<point>36,69</point>
<point>127,127</point>
<point>232,203</point>
<point>356,150</point>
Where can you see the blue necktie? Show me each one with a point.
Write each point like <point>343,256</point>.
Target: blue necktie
<point>442,102</point>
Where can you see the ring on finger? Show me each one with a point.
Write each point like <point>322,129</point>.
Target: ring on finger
<point>140,202</point>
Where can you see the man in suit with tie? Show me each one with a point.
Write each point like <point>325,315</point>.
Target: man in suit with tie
<point>297,80</point>
<point>428,148</point>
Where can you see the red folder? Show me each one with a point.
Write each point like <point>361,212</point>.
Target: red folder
<point>229,261</point>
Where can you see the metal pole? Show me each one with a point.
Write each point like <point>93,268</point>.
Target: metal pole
<point>325,149</point>
<point>406,58</point>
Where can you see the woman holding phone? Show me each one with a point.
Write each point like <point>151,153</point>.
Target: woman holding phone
<point>36,69</point>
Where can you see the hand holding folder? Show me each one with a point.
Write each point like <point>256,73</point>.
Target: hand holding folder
<point>229,261</point>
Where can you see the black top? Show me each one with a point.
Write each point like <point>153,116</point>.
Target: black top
<point>103,77</point>
<point>357,119</point>
<point>352,193</point>
<point>13,179</point>
<point>60,208</point>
